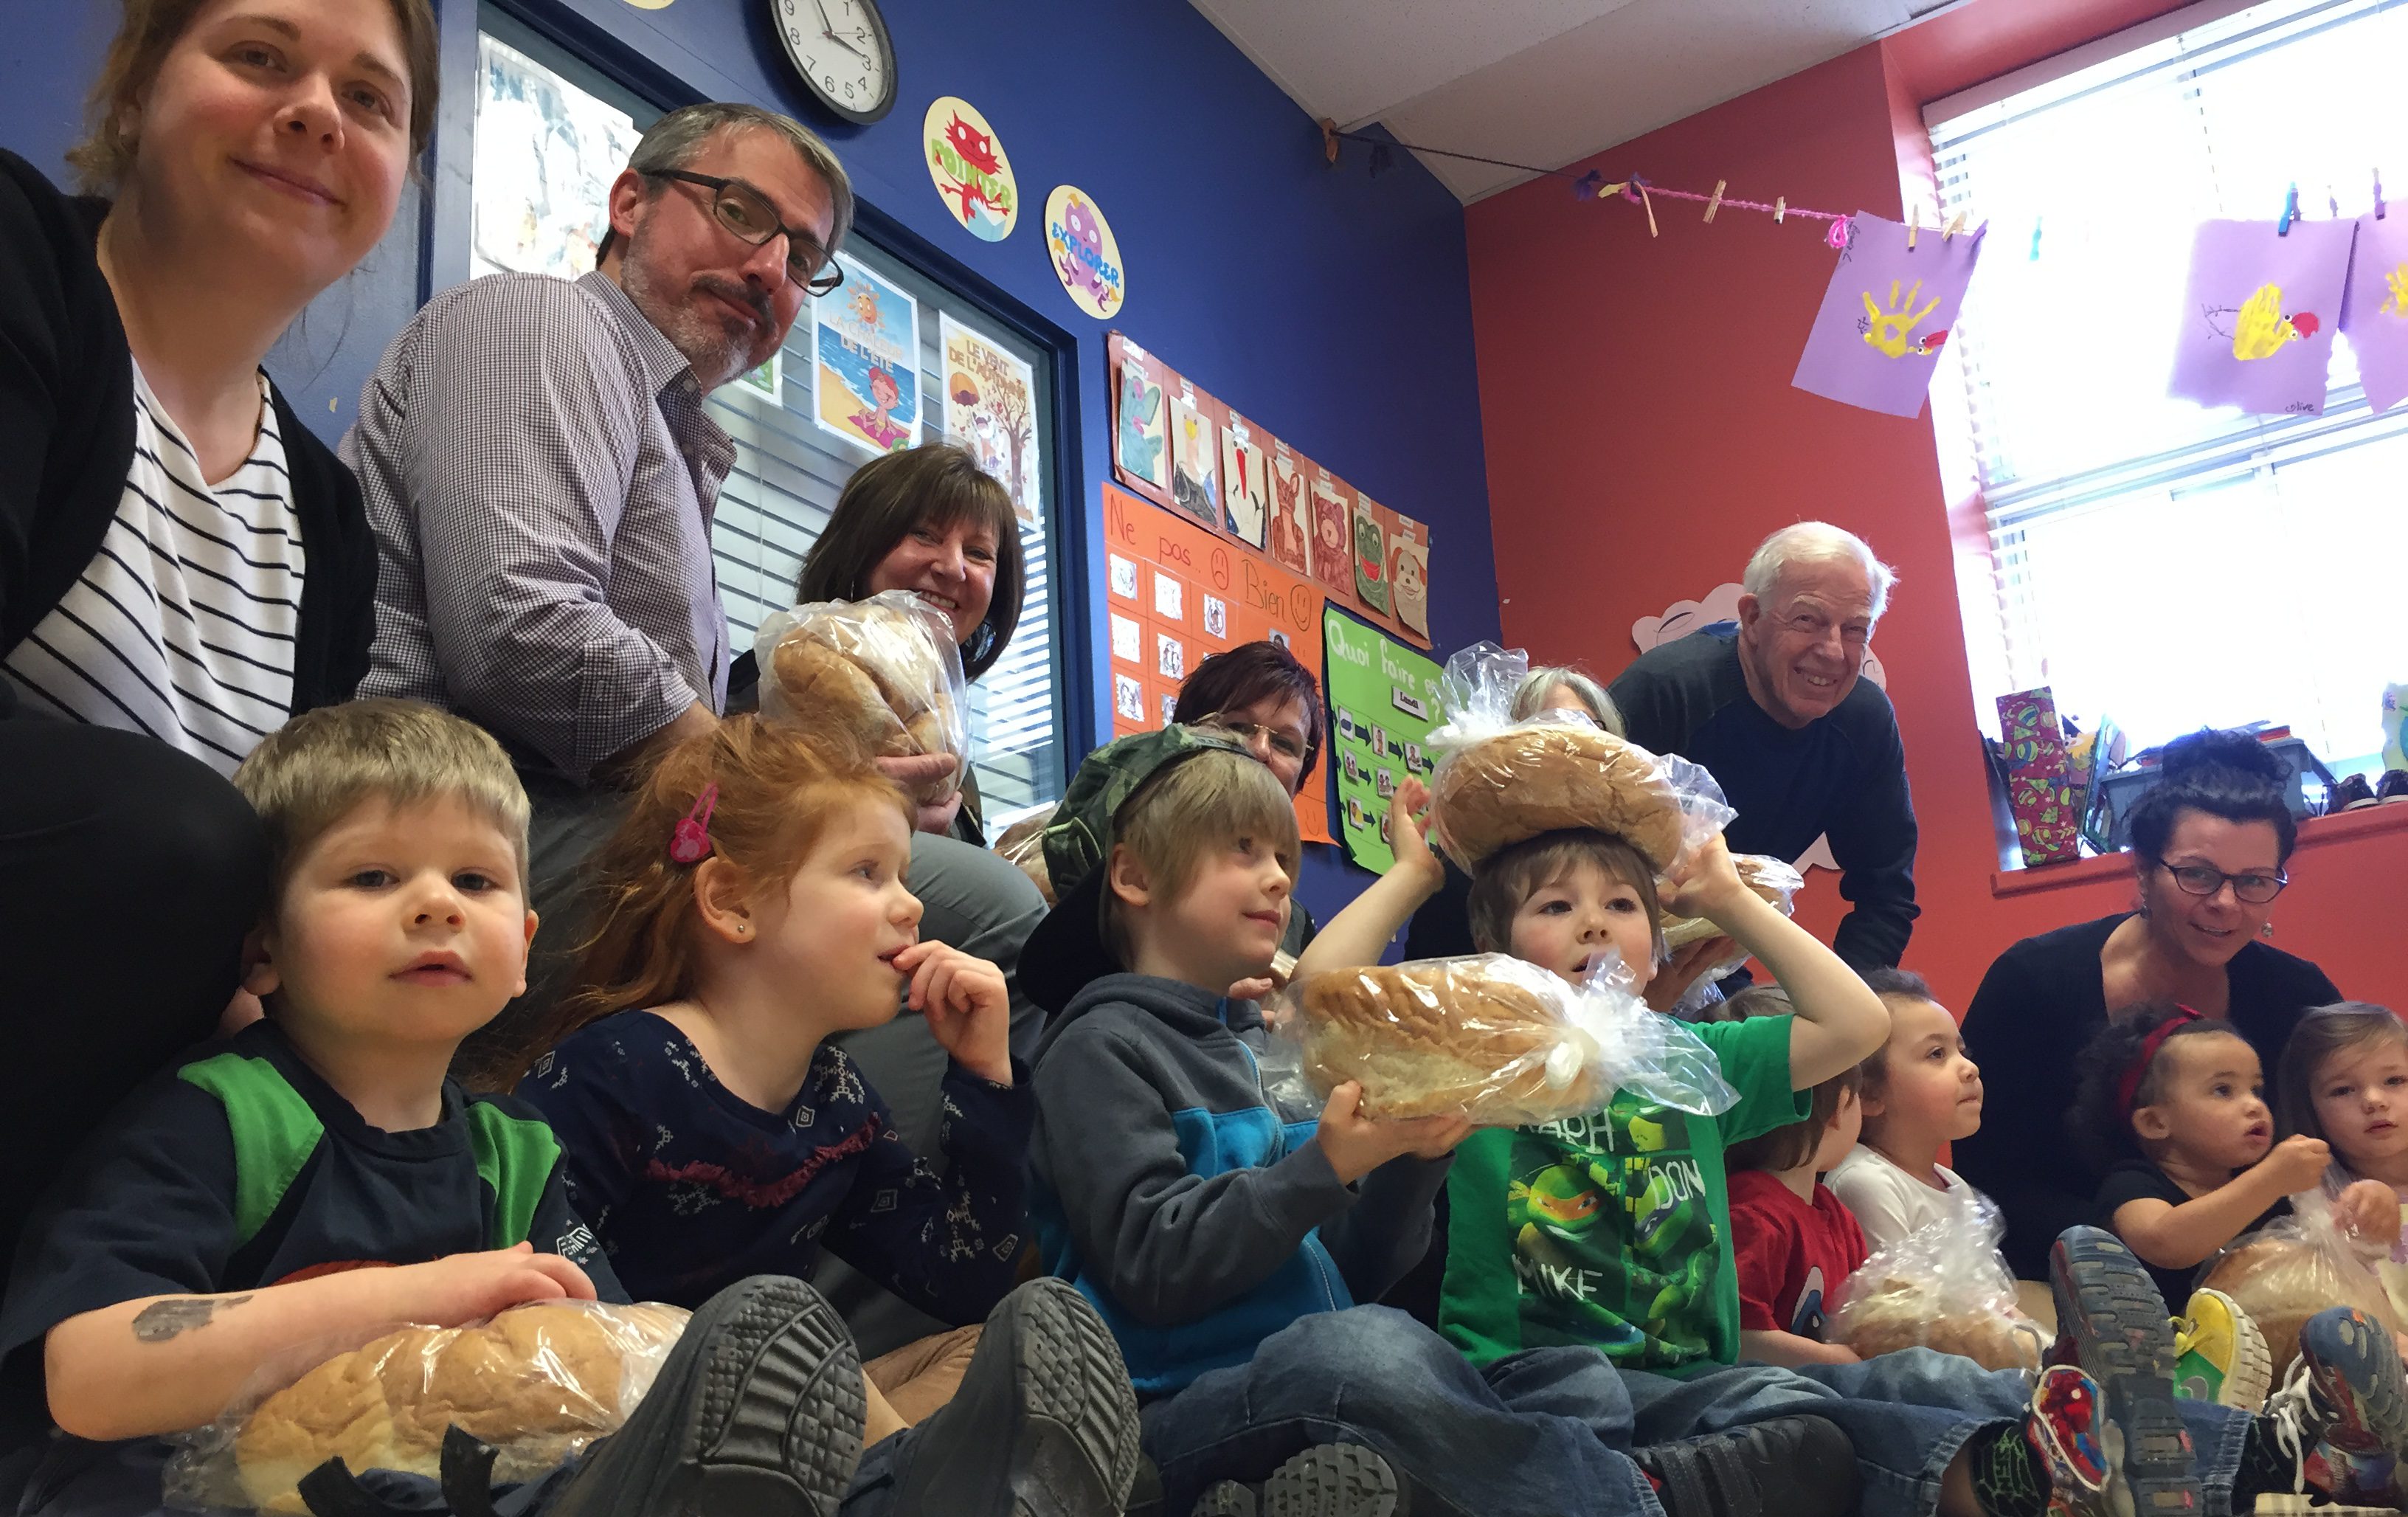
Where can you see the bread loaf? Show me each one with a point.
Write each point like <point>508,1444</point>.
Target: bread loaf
<point>538,1382</point>
<point>1767,877</point>
<point>1548,775</point>
<point>1486,1037</point>
<point>1900,1314</point>
<point>877,671</point>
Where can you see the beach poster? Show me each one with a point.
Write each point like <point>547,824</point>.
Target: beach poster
<point>866,384</point>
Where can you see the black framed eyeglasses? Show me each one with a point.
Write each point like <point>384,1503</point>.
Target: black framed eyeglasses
<point>2200,879</point>
<point>748,215</point>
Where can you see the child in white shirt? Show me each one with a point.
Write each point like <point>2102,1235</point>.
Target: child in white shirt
<point>1919,1092</point>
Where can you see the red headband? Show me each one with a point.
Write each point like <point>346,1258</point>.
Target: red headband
<point>2138,1069</point>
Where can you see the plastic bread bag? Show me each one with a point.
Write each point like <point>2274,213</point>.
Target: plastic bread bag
<point>1023,846</point>
<point>538,1383</point>
<point>884,669</point>
<point>1499,781</point>
<point>2294,1267</point>
<point>1487,1036</point>
<point>1775,882</point>
<point>1943,1286</point>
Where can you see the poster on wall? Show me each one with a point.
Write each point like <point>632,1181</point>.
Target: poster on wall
<point>1140,422</point>
<point>1383,700</point>
<point>865,383</point>
<point>1086,256</point>
<point>1175,596</point>
<point>546,153</point>
<point>2375,314</point>
<point>1371,553</point>
<point>971,171</point>
<point>1333,533</point>
<point>1290,511</point>
<point>1408,575</point>
<point>1885,315</point>
<point>1245,492</point>
<point>2258,315</point>
<point>1194,456</point>
<point>991,410</point>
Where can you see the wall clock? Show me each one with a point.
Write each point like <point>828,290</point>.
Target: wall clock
<point>842,51</point>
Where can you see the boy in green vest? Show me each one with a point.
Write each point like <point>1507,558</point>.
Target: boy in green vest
<point>317,1178</point>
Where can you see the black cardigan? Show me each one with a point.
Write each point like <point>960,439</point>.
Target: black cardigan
<point>2040,1002</point>
<point>66,445</point>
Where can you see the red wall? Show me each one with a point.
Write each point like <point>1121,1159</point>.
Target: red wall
<point>1643,435</point>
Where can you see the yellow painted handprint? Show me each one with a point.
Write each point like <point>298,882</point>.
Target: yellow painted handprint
<point>2262,328</point>
<point>2397,305</point>
<point>1888,330</point>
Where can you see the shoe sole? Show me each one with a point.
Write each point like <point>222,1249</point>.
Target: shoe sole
<point>2108,1310</point>
<point>1078,1394</point>
<point>1333,1479</point>
<point>1227,1499</point>
<point>2351,1341</point>
<point>757,1413</point>
<point>2250,1380</point>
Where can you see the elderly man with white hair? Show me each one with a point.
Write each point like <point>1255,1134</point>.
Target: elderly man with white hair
<point>1803,747</point>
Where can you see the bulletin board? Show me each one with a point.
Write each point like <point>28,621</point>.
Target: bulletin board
<point>1178,593</point>
<point>1194,456</point>
<point>1383,700</point>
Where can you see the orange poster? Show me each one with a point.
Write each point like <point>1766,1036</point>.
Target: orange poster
<point>1176,593</point>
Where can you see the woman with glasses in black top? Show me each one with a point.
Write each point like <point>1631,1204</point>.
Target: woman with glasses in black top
<point>2210,843</point>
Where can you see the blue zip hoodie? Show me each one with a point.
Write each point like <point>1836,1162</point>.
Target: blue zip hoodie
<point>1196,1217</point>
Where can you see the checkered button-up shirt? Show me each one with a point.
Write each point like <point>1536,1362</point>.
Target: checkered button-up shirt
<point>541,474</point>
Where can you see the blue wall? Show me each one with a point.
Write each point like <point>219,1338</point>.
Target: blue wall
<point>1331,307</point>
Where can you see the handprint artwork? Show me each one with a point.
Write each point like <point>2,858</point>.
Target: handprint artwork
<point>2257,329</point>
<point>1885,315</point>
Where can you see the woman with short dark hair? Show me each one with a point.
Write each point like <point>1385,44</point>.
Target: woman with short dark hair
<point>2211,841</point>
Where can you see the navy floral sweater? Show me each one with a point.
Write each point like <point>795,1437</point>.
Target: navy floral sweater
<point>691,1189</point>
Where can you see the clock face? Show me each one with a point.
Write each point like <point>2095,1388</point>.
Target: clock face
<point>841,50</point>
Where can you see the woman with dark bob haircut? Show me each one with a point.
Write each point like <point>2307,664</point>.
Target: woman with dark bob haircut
<point>2210,844</point>
<point>1259,693</point>
<point>183,564</point>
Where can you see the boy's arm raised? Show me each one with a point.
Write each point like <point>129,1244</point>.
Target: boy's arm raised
<point>1360,933</point>
<point>168,1363</point>
<point>1839,1022</point>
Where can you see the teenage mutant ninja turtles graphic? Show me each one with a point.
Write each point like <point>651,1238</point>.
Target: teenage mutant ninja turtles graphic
<point>1612,1240</point>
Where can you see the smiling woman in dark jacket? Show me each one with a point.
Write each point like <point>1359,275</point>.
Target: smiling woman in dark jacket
<point>183,565</point>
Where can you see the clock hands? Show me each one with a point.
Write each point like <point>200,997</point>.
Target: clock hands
<point>828,30</point>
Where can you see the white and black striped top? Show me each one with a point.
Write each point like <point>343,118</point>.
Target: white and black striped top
<point>182,625</point>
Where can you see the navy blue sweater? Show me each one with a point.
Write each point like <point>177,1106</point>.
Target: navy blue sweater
<point>1844,775</point>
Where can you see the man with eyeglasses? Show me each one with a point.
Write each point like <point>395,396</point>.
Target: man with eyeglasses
<point>541,472</point>
<point>1804,745</point>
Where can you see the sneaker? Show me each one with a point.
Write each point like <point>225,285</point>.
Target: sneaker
<point>2346,1393</point>
<point>2393,786</point>
<point>2348,793</point>
<point>1798,1467</point>
<point>1045,1422</point>
<point>2219,1355</point>
<point>2069,1432</point>
<point>1328,1480</point>
<point>756,1412</point>
<point>2112,1321</point>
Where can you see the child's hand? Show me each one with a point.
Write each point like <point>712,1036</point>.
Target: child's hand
<point>2369,1210</point>
<point>1673,980</point>
<point>2297,1163</point>
<point>465,1287</point>
<point>1408,835</point>
<point>1356,1145</point>
<point>966,1005</point>
<point>1704,882</point>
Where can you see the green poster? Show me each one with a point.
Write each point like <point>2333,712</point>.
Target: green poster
<point>1383,700</point>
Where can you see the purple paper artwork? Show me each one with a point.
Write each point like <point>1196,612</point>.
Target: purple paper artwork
<point>2375,316</point>
<point>1885,315</point>
<point>2259,313</point>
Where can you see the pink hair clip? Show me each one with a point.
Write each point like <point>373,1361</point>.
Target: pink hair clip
<point>690,842</point>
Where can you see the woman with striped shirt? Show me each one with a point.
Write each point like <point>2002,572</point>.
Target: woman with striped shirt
<point>183,565</point>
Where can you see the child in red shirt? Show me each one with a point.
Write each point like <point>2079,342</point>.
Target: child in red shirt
<point>1793,1239</point>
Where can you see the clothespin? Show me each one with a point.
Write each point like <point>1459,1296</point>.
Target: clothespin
<point>2378,194</point>
<point>1779,209</point>
<point>1914,221</point>
<point>1715,203</point>
<point>1955,224</point>
<point>2332,203</point>
<point>1329,140</point>
<point>2290,212</point>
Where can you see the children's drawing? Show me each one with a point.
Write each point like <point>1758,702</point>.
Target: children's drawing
<point>1086,256</point>
<point>1371,555</point>
<point>1333,559</point>
<point>971,171</point>
<point>1142,434</point>
<point>1886,315</point>
<point>991,410</point>
<point>866,385</point>
<point>2375,314</point>
<point>2258,315</point>
<point>1290,516</point>
<point>1128,698</point>
<point>1195,462</point>
<point>1409,575</point>
<point>1245,494</point>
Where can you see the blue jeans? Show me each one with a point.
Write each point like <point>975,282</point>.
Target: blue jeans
<point>1525,1436</point>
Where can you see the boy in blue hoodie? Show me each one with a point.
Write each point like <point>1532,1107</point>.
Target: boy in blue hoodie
<point>1226,1243</point>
